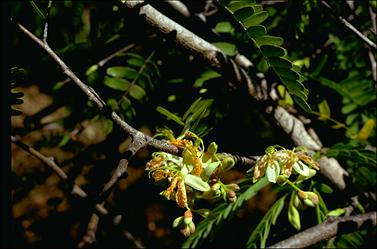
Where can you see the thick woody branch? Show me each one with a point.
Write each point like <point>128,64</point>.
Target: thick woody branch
<point>183,36</point>
<point>328,229</point>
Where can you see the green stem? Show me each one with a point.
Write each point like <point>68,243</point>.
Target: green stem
<point>293,185</point>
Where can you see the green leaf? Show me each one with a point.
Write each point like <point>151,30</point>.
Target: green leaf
<point>324,188</point>
<point>206,75</point>
<point>348,108</point>
<point>242,14</point>
<point>235,5</point>
<point>287,73</point>
<point>122,72</point>
<point>228,48</point>
<point>261,232</point>
<point>65,139</point>
<point>351,118</point>
<point>223,212</point>
<point>295,87</point>
<point>37,9</point>
<point>272,51</point>
<point>193,107</point>
<point>117,83</point>
<point>256,31</point>
<point>197,183</point>
<point>336,212</point>
<point>324,110</point>
<point>333,85</point>
<point>302,103</point>
<point>269,40</point>
<point>278,62</point>
<point>170,115</point>
<point>91,69</point>
<point>255,19</point>
<point>137,92</point>
<point>320,66</point>
<point>224,27</point>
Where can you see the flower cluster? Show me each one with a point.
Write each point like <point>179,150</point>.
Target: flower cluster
<point>278,165</point>
<point>191,176</point>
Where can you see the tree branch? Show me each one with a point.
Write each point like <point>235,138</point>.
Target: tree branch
<point>350,26</point>
<point>90,235</point>
<point>234,72</point>
<point>328,229</point>
<point>49,161</point>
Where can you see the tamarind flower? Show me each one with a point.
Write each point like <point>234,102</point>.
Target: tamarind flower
<point>155,163</point>
<point>261,166</point>
<point>282,162</point>
<point>168,193</point>
<point>181,196</point>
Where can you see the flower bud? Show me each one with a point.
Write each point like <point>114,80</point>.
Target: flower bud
<point>313,197</point>
<point>187,230</point>
<point>231,195</point>
<point>294,217</point>
<point>227,163</point>
<point>187,217</point>
<point>212,148</point>
<point>302,195</point>
<point>309,198</point>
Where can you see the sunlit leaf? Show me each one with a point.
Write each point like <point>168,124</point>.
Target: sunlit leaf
<point>197,183</point>
<point>324,110</point>
<point>228,48</point>
<point>137,92</point>
<point>269,40</point>
<point>224,27</point>
<point>170,115</point>
<point>122,72</point>
<point>367,129</point>
<point>255,19</point>
<point>117,83</point>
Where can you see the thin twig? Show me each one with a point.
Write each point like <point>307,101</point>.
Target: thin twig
<point>49,161</point>
<point>139,73</point>
<point>93,96</point>
<point>350,26</point>
<point>90,235</point>
<point>136,242</point>
<point>328,229</point>
<point>45,30</point>
<point>102,62</point>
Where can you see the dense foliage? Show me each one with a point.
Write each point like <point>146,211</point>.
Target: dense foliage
<point>320,70</point>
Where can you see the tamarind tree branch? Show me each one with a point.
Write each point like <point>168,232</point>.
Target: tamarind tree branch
<point>233,71</point>
<point>350,26</point>
<point>90,235</point>
<point>49,161</point>
<point>328,229</point>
